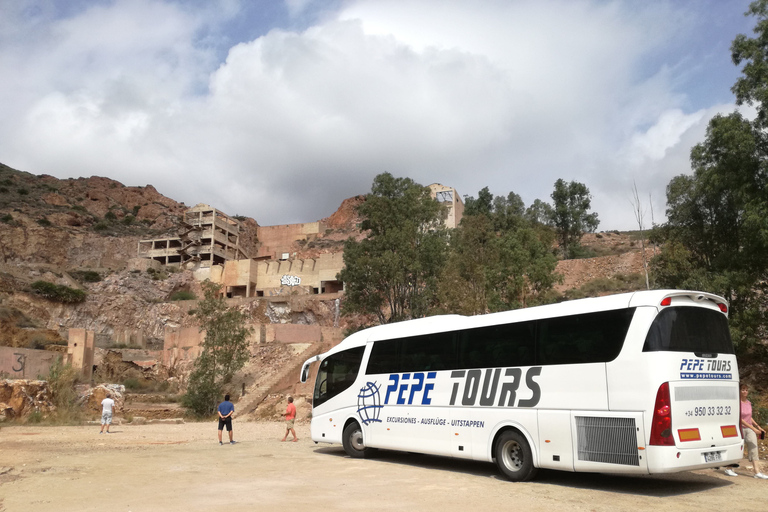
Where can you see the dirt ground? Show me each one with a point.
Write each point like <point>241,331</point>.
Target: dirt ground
<point>169,467</point>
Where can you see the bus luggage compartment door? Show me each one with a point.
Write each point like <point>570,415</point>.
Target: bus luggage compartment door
<point>555,440</point>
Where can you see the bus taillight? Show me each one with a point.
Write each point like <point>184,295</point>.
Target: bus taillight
<point>723,307</point>
<point>661,427</point>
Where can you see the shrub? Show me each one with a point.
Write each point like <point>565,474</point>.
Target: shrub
<point>607,285</point>
<point>44,222</point>
<point>35,417</point>
<point>86,276</point>
<point>58,293</point>
<point>182,295</point>
<point>110,216</point>
<point>62,379</point>
<point>100,226</point>
<point>22,191</point>
<point>132,384</point>
<point>6,218</point>
<point>37,342</point>
<point>581,252</point>
<point>128,220</point>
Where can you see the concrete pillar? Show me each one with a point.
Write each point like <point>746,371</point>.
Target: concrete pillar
<point>80,351</point>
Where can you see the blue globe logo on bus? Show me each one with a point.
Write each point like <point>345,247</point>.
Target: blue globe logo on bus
<point>369,403</point>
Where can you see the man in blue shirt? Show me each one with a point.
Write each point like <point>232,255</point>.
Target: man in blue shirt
<point>226,410</point>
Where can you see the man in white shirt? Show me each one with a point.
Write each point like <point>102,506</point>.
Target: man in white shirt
<point>106,412</point>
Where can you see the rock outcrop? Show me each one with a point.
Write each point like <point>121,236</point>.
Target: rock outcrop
<point>21,397</point>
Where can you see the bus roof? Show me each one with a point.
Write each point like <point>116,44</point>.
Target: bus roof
<point>443,323</point>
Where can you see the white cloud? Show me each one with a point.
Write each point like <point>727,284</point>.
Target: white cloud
<point>507,94</point>
<point>296,7</point>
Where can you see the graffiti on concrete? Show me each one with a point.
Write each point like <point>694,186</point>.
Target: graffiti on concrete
<point>288,280</point>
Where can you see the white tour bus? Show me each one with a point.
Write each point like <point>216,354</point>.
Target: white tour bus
<point>636,383</point>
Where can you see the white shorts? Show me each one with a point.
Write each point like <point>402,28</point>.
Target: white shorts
<point>106,418</point>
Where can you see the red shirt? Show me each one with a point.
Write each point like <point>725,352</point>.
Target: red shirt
<point>290,412</point>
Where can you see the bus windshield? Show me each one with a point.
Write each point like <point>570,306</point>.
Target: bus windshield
<point>336,373</point>
<point>687,329</point>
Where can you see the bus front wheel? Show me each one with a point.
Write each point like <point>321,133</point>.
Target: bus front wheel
<point>353,441</point>
<point>514,457</point>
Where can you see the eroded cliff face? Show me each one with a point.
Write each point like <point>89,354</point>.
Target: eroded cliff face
<point>26,241</point>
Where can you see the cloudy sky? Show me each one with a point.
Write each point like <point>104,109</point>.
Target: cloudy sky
<point>281,109</point>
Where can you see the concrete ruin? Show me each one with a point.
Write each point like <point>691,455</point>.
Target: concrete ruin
<point>209,245</point>
<point>449,197</point>
<point>80,351</point>
<point>207,237</point>
<point>26,363</point>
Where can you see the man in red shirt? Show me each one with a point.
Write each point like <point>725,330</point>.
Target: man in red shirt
<point>290,416</point>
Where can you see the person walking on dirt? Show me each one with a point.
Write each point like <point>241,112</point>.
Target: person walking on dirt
<point>290,417</point>
<point>750,431</point>
<point>226,409</point>
<point>107,406</point>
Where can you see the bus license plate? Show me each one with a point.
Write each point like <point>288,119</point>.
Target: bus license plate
<point>712,457</point>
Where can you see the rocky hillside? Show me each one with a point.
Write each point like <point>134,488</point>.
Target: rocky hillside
<point>82,232</point>
<point>85,222</point>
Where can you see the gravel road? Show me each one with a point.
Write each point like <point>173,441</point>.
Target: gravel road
<point>165,467</point>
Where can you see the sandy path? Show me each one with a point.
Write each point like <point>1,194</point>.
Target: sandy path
<point>182,467</point>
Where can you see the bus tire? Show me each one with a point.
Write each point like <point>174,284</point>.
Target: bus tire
<point>514,457</point>
<point>352,440</point>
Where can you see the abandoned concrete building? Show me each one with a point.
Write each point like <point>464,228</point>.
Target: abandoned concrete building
<point>449,197</point>
<point>208,244</point>
<point>208,237</point>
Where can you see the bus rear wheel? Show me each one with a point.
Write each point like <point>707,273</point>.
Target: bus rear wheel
<point>514,457</point>
<point>352,440</point>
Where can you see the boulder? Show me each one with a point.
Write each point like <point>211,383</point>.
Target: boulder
<point>21,397</point>
<point>91,399</point>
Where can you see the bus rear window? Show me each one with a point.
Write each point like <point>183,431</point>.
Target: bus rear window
<point>689,329</point>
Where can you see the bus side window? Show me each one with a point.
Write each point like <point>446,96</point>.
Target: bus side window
<point>497,346</point>
<point>588,338</point>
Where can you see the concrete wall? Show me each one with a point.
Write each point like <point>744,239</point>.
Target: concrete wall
<point>293,333</point>
<point>25,363</point>
<point>130,337</point>
<point>309,274</point>
<point>136,355</point>
<point>181,344</point>
<point>276,240</point>
<point>184,343</point>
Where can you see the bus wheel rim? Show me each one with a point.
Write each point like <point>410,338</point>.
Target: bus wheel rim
<point>512,455</point>
<point>356,440</point>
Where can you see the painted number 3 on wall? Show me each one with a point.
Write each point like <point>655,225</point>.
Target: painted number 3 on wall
<point>20,362</point>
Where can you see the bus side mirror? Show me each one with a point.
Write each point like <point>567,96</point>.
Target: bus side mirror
<point>305,373</point>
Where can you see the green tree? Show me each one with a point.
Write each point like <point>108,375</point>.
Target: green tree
<point>224,350</point>
<point>717,229</point>
<point>752,87</point>
<point>498,260</point>
<point>392,273</point>
<point>570,214</point>
<point>483,205</point>
<point>539,213</point>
